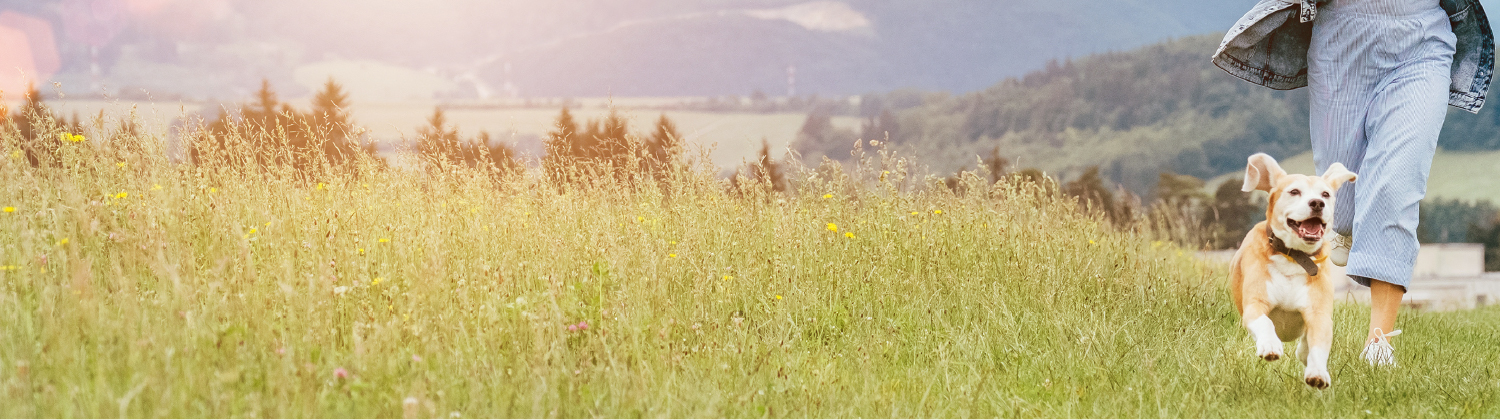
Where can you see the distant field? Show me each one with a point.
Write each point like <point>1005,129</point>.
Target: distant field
<point>731,136</point>
<point>1455,175</point>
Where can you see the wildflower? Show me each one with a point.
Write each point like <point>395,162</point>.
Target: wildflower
<point>384,240</point>
<point>416,358</point>
<point>213,190</point>
<point>827,195</point>
<point>122,194</point>
<point>15,154</point>
<point>70,137</point>
<point>937,212</point>
<point>728,277</point>
<point>155,187</point>
<point>671,255</point>
<point>915,213</point>
<point>64,241</point>
<point>674,242</point>
<point>849,235</point>
<point>121,164</point>
<point>9,209</point>
<point>281,351</point>
<point>583,325</point>
<point>376,281</point>
<point>833,227</point>
<point>572,328</point>
<point>340,373</point>
<point>778,297</point>
<point>1091,242</point>
<point>252,230</point>
<point>639,219</point>
<point>361,251</point>
<point>320,186</point>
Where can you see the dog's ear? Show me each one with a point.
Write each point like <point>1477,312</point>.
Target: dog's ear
<point>1261,173</point>
<point>1337,175</point>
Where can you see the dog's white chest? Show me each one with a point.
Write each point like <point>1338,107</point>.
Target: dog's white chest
<point>1287,288</point>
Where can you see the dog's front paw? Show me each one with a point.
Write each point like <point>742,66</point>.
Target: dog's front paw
<point>1317,378</point>
<point>1268,349</point>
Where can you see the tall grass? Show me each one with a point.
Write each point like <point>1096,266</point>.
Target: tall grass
<point>136,286</point>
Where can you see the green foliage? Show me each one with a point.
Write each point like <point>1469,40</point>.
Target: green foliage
<point>1133,114</point>
<point>271,133</point>
<point>819,138</point>
<point>1453,220</point>
<point>764,172</point>
<point>607,149</point>
<point>440,144</point>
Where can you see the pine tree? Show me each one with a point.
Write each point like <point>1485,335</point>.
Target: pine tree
<point>331,110</point>
<point>437,141</point>
<point>560,148</point>
<point>665,146</point>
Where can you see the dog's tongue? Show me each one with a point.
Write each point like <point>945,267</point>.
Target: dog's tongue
<point>1310,228</point>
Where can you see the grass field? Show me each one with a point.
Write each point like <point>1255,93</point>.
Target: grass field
<point>136,287</point>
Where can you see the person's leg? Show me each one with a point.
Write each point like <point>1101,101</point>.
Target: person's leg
<point>1385,301</point>
<point>1402,127</point>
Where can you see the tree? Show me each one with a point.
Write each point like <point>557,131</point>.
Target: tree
<point>1089,189</point>
<point>996,165</point>
<point>272,133</point>
<point>1231,214</point>
<point>665,147</point>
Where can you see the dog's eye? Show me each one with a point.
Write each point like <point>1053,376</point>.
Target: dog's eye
<point>1295,193</point>
<point>1325,194</point>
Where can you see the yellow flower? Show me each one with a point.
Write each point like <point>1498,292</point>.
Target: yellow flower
<point>155,187</point>
<point>15,154</point>
<point>252,230</point>
<point>674,242</point>
<point>122,194</point>
<point>384,240</point>
<point>827,195</point>
<point>1091,242</point>
<point>10,209</point>
<point>778,297</point>
<point>361,251</point>
<point>70,137</point>
<point>915,213</point>
<point>121,164</point>
<point>849,235</point>
<point>833,227</point>
<point>320,186</point>
<point>376,281</point>
<point>728,277</point>
<point>671,255</point>
<point>64,241</point>
<point>213,190</point>
<point>639,219</point>
<point>937,212</point>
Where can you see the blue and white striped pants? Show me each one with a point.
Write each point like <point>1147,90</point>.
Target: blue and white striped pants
<point>1378,71</point>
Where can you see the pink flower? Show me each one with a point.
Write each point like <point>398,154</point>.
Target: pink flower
<point>416,358</point>
<point>341,373</point>
<point>281,351</point>
<point>583,325</point>
<point>572,328</point>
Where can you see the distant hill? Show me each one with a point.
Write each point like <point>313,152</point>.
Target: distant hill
<point>1134,114</point>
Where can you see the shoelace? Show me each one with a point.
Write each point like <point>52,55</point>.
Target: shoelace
<point>1380,352</point>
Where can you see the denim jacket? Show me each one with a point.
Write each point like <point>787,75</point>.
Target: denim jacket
<point>1268,47</point>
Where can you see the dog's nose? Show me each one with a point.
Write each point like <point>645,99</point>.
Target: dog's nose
<point>1316,204</point>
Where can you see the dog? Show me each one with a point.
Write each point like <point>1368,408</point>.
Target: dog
<point>1279,277</point>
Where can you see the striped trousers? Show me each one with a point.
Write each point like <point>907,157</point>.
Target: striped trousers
<point>1378,71</point>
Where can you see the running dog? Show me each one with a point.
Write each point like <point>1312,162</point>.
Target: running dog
<point>1280,276</point>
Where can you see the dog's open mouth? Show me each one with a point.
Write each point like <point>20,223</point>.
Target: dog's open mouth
<point>1310,230</point>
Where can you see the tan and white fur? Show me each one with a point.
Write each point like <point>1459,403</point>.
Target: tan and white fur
<point>1278,300</point>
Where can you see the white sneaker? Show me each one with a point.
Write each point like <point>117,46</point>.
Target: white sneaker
<point>1379,352</point>
<point>1340,252</point>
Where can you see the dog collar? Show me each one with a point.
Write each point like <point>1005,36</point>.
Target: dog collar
<point>1308,262</point>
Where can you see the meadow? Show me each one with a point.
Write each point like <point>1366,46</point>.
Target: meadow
<point>135,286</point>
